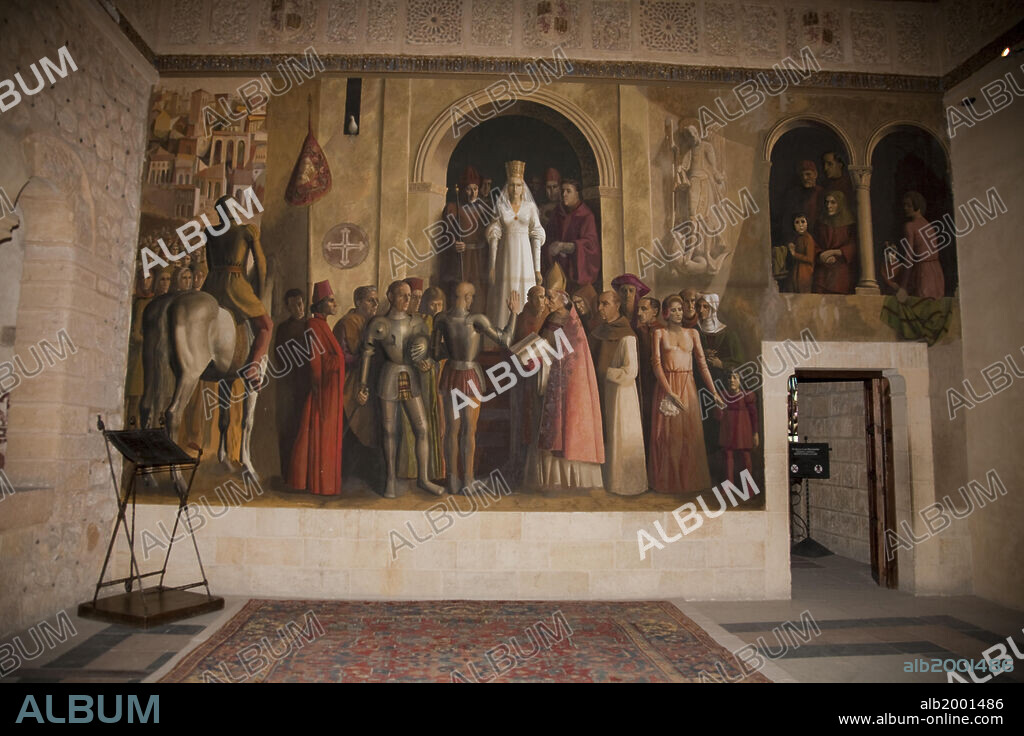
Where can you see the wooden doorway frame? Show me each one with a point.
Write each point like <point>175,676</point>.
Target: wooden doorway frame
<point>880,463</point>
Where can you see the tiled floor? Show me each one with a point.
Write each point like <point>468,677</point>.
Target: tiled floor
<point>867,634</point>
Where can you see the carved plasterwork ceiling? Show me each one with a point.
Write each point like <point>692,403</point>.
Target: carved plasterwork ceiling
<point>229,22</point>
<point>342,21</point>
<point>551,23</point>
<point>669,26</point>
<point>288,21</point>
<point>181,23</point>
<point>492,22</point>
<point>820,30</point>
<point>612,25</point>
<point>381,22</point>
<point>434,22</point>
<point>759,31</point>
<point>912,48</point>
<point>870,37</point>
<point>720,28</point>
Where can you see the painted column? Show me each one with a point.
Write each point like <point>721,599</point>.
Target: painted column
<point>634,141</point>
<point>867,283</point>
<point>394,180</point>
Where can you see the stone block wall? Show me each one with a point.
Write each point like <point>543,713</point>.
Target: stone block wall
<point>487,555</point>
<point>71,157</point>
<point>833,412</point>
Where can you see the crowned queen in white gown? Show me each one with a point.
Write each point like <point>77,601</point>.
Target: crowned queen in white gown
<point>514,238</point>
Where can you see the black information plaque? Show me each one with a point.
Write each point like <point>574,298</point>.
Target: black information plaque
<point>808,460</point>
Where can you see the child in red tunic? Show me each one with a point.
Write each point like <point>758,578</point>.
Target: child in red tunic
<point>802,250</point>
<point>737,433</point>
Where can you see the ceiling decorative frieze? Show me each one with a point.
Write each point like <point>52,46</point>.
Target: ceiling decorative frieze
<point>874,36</point>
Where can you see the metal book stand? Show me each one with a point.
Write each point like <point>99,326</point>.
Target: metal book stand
<point>149,451</point>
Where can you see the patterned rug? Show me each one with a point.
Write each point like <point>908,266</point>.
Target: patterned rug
<point>459,641</point>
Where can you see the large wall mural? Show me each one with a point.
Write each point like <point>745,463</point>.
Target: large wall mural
<point>524,351</point>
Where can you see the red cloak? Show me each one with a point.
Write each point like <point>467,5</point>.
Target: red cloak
<point>570,422</point>
<point>583,264</point>
<point>316,455</point>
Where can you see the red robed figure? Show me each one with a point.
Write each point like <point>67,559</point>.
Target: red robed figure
<point>578,226</point>
<point>316,457</point>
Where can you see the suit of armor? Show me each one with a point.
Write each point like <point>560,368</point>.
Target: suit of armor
<point>404,340</point>
<point>458,335</point>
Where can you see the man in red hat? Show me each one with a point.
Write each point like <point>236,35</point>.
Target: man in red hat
<point>572,240</point>
<point>316,457</point>
<point>553,192</point>
<point>631,290</point>
<point>465,220</point>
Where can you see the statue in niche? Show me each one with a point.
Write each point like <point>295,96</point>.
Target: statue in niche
<point>698,187</point>
<point>514,238</point>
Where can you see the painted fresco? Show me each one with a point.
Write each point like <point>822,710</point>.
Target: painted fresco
<point>815,239</point>
<point>515,345</point>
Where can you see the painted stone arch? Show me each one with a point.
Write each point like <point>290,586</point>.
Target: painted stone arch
<point>431,161</point>
<point>600,171</point>
<point>906,156</point>
<point>803,152</point>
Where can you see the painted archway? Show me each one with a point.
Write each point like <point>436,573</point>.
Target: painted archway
<point>601,172</point>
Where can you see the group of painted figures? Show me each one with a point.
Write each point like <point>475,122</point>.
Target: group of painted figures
<point>619,409</point>
<point>820,254</point>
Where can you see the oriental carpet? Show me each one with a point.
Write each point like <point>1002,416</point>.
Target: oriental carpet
<point>458,641</point>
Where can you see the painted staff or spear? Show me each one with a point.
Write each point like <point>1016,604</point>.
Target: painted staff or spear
<point>458,225</point>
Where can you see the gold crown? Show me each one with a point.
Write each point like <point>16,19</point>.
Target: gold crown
<point>515,169</point>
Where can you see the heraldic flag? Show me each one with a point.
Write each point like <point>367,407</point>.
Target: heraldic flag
<point>311,177</point>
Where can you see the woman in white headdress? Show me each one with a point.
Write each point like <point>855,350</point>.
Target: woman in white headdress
<point>514,237</point>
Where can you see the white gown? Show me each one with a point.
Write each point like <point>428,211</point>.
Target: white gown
<point>517,238</point>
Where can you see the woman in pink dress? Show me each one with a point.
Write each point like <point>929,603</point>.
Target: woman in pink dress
<point>678,457</point>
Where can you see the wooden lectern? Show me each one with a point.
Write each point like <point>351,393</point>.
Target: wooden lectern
<point>150,451</point>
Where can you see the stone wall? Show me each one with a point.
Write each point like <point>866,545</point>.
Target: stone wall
<point>490,554</point>
<point>71,155</point>
<point>990,153</point>
<point>833,412</point>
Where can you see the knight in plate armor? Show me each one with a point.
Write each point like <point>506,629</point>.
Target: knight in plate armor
<point>404,340</point>
<point>458,336</point>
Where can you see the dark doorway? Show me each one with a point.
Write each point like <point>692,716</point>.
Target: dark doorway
<point>850,512</point>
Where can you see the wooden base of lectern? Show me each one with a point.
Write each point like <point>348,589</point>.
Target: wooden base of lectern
<point>162,606</point>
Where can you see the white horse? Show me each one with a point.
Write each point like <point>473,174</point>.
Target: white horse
<point>188,337</point>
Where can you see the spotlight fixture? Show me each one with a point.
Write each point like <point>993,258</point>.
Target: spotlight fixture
<point>1006,51</point>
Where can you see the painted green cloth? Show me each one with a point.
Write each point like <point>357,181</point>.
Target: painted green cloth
<point>918,317</point>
